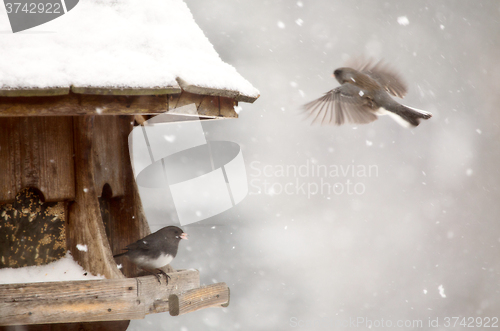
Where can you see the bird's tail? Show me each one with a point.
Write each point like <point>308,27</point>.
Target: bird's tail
<point>408,116</point>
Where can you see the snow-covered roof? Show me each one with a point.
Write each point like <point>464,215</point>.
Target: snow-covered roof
<point>126,44</point>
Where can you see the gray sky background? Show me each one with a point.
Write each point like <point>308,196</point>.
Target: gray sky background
<point>428,218</point>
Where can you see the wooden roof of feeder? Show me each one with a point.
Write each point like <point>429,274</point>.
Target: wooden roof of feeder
<point>66,179</point>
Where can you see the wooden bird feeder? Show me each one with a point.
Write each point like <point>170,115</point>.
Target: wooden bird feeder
<point>66,180</point>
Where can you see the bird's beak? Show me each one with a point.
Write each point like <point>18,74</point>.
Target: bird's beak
<point>184,236</point>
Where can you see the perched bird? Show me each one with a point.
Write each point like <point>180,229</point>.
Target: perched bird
<point>363,95</point>
<point>155,250</point>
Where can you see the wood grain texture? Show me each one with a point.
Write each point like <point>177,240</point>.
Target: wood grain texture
<point>78,326</point>
<point>59,302</point>
<point>94,300</point>
<point>187,98</point>
<point>123,215</point>
<point>85,222</point>
<point>110,153</point>
<point>37,152</point>
<point>74,104</point>
<point>34,92</point>
<point>155,295</point>
<point>126,90</point>
<point>129,91</point>
<point>209,106</point>
<point>173,99</point>
<point>246,98</point>
<point>215,295</point>
<point>202,90</point>
<point>227,107</point>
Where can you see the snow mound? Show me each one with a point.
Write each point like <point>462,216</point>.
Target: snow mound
<point>61,270</point>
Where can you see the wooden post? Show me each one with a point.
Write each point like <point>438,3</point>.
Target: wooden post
<point>215,295</point>
<point>85,222</point>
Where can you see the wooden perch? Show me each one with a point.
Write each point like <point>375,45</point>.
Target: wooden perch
<point>215,295</point>
<point>96,300</point>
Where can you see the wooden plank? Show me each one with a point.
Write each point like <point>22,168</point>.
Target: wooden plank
<point>246,98</point>
<point>110,149</point>
<point>195,89</point>
<point>92,300</point>
<point>173,99</point>
<point>227,107</point>
<point>210,91</point>
<point>37,152</point>
<point>85,221</point>
<point>187,98</point>
<point>126,90</point>
<point>59,302</point>
<point>83,104</point>
<point>123,105</point>
<point>209,106</point>
<point>140,119</point>
<point>123,217</point>
<point>155,296</point>
<point>215,295</point>
<point>79,326</point>
<point>34,92</point>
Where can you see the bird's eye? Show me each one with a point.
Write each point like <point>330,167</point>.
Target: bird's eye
<point>336,72</point>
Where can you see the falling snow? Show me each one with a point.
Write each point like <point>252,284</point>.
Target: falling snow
<point>403,20</point>
<point>441,291</point>
<point>169,138</point>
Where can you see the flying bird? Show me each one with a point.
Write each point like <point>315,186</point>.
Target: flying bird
<point>155,250</point>
<point>363,95</point>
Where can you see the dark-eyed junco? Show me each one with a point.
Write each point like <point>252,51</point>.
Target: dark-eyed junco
<point>155,250</point>
<point>363,95</point>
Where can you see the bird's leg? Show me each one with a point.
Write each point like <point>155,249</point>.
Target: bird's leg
<point>167,277</point>
<point>158,277</point>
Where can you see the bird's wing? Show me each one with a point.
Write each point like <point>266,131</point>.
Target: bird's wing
<point>140,245</point>
<point>384,74</point>
<point>343,104</point>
